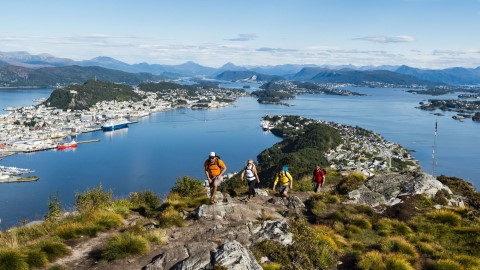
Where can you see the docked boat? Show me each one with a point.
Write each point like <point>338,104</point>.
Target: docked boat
<point>62,146</point>
<point>114,124</point>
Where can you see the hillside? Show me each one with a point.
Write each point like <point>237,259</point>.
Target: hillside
<point>360,78</point>
<point>393,220</point>
<point>451,76</point>
<point>83,96</point>
<point>14,76</point>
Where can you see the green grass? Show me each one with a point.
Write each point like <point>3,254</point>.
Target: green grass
<point>271,266</point>
<point>54,249</point>
<point>124,246</point>
<point>397,262</point>
<point>170,217</point>
<point>36,258</point>
<point>445,216</point>
<point>372,260</point>
<point>12,260</point>
<point>448,264</point>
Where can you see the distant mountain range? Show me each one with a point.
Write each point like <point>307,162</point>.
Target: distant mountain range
<point>14,76</point>
<point>24,69</point>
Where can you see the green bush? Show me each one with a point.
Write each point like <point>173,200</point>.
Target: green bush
<point>363,223</point>
<point>12,260</point>
<point>319,208</point>
<point>448,264</point>
<point>54,249</point>
<point>123,246</point>
<point>276,252</point>
<point>445,216</point>
<point>188,187</point>
<point>147,199</point>
<point>372,260</point>
<point>74,230</point>
<point>271,266</point>
<point>350,182</point>
<point>170,217</point>
<point>36,258</point>
<point>397,262</point>
<point>54,208</point>
<point>93,199</point>
<point>107,220</point>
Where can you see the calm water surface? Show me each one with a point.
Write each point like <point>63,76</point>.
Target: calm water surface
<point>167,145</point>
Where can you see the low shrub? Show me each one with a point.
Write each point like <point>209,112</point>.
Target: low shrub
<point>54,249</point>
<point>399,245</point>
<point>271,266</point>
<point>12,260</point>
<point>123,246</point>
<point>156,236</point>
<point>397,262</point>
<point>146,199</point>
<point>121,207</point>
<point>275,252</point>
<point>467,262</point>
<point>319,208</point>
<point>93,199</point>
<point>387,227</point>
<point>363,223</point>
<point>188,187</point>
<point>76,230</point>
<point>36,258</point>
<point>445,216</point>
<point>107,220</point>
<point>350,182</point>
<point>372,260</point>
<point>170,217</point>
<point>447,264</point>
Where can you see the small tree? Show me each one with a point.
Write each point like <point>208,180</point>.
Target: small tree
<point>54,208</point>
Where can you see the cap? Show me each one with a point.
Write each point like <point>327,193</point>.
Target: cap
<point>285,168</point>
<point>212,154</point>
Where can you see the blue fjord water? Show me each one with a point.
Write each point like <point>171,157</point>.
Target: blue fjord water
<point>152,153</point>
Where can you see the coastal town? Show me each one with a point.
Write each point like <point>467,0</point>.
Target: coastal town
<point>362,150</point>
<point>41,127</point>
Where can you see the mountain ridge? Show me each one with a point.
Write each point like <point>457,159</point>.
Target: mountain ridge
<point>449,76</point>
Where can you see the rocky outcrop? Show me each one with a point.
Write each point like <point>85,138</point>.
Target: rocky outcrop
<point>223,233</point>
<point>234,256</point>
<point>292,202</point>
<point>387,189</point>
<point>275,230</point>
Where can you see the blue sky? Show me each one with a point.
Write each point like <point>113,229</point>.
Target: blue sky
<point>419,33</point>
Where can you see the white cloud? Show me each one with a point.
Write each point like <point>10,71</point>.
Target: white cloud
<point>243,37</point>
<point>387,39</point>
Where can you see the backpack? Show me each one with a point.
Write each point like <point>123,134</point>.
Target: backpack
<point>216,163</point>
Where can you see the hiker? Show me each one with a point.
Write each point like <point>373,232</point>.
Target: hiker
<point>214,169</point>
<point>318,178</point>
<point>250,173</point>
<point>286,181</point>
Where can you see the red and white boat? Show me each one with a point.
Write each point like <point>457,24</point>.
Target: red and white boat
<point>72,144</point>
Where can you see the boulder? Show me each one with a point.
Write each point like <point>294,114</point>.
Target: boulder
<point>261,192</point>
<point>227,211</point>
<point>290,202</point>
<point>387,188</point>
<point>200,256</point>
<point>168,259</point>
<point>234,256</point>
<point>275,230</point>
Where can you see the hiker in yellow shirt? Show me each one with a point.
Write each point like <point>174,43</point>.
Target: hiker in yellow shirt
<point>286,181</point>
